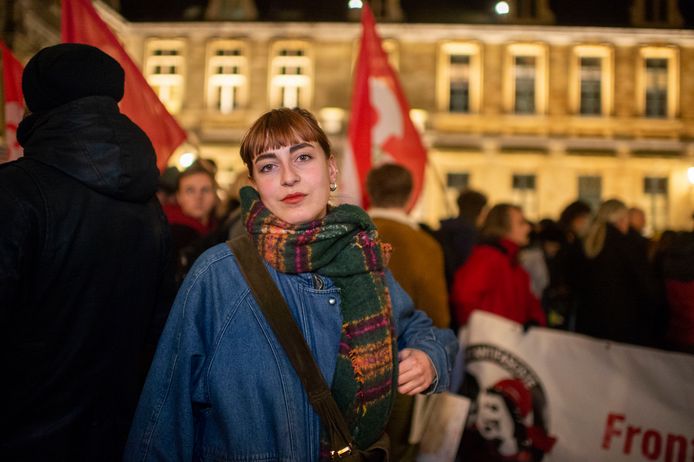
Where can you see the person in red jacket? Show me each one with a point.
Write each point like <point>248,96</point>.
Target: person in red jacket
<point>492,279</point>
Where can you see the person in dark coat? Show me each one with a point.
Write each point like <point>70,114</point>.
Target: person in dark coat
<point>566,268</point>
<point>617,294</point>
<point>678,274</point>
<point>637,226</point>
<point>84,252</point>
<point>458,235</point>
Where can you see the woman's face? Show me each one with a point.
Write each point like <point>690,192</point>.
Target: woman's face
<point>294,181</point>
<point>519,228</point>
<point>196,196</point>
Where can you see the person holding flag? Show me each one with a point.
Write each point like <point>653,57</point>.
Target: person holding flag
<point>83,263</point>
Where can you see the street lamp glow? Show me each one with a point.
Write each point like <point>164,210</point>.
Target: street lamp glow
<point>690,175</point>
<point>355,4</point>
<point>187,159</point>
<point>502,8</point>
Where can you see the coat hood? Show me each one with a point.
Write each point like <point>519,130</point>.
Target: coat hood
<point>91,141</point>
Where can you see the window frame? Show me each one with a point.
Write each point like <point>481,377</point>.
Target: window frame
<point>172,104</point>
<point>241,77</point>
<point>606,55</point>
<point>671,54</point>
<point>465,48</point>
<point>275,86</point>
<point>540,52</point>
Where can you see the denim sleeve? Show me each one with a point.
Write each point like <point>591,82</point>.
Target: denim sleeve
<point>163,426</point>
<point>415,330</point>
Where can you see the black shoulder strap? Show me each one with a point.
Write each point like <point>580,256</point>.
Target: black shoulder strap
<point>277,314</point>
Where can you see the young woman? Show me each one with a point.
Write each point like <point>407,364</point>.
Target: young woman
<point>191,217</point>
<point>221,386</point>
<point>492,279</point>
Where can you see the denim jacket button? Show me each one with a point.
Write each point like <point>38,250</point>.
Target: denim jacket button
<point>332,300</point>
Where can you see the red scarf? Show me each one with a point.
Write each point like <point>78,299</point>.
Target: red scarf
<point>176,217</point>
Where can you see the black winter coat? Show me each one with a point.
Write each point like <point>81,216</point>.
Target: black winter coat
<point>617,293</point>
<point>83,254</point>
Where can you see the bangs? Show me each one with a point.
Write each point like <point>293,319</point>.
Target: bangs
<point>278,128</point>
<point>287,131</point>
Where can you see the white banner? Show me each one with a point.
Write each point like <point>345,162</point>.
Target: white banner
<point>559,397</point>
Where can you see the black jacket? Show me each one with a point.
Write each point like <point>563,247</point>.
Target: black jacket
<point>83,254</point>
<point>617,294</point>
<point>457,238</point>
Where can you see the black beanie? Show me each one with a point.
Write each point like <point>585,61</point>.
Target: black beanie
<point>62,73</point>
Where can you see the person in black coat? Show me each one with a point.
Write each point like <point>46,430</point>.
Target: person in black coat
<point>617,294</point>
<point>85,275</point>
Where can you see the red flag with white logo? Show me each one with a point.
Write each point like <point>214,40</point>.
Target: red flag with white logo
<point>380,129</point>
<point>82,24</point>
<point>14,100</point>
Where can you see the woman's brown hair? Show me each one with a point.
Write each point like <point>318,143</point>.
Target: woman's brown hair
<point>498,221</point>
<point>278,128</point>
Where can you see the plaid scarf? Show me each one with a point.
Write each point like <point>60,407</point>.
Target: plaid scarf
<point>345,247</point>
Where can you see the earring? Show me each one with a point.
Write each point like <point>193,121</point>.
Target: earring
<point>333,187</point>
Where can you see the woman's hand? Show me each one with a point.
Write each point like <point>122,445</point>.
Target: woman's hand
<point>415,373</point>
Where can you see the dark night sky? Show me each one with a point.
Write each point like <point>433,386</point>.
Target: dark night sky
<point>567,12</point>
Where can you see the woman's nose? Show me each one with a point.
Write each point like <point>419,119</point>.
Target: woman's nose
<point>289,176</point>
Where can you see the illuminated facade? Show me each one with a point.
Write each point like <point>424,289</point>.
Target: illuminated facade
<point>527,112</point>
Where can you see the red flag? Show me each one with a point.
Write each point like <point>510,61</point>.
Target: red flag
<point>82,24</point>
<point>380,129</point>
<point>14,100</point>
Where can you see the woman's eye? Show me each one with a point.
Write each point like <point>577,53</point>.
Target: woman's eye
<point>265,168</point>
<point>303,157</point>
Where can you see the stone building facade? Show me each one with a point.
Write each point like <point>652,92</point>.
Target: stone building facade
<point>524,110</point>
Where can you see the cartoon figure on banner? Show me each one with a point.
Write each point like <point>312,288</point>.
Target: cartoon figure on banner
<point>508,417</point>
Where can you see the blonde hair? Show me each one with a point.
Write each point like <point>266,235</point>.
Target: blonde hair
<point>610,211</point>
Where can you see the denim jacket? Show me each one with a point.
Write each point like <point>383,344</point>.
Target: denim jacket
<point>221,388</point>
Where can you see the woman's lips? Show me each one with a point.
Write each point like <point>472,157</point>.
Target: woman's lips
<point>293,198</point>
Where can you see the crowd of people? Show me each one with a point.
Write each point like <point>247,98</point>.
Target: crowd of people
<point>591,272</point>
<point>118,287</point>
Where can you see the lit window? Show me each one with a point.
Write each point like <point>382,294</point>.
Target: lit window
<point>459,96</point>
<point>458,181</point>
<point>656,87</point>
<point>591,92</point>
<point>164,69</point>
<point>227,76</point>
<point>291,75</point>
<point>526,85</point>
<point>459,78</point>
<point>658,82</point>
<point>524,75</point>
<point>590,190</point>
<point>656,201</point>
<point>525,194</point>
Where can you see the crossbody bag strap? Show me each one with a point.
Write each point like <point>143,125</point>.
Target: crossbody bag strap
<point>278,315</point>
